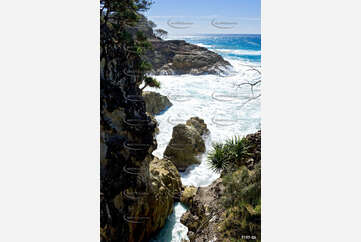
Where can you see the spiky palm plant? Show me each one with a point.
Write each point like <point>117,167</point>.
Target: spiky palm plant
<point>224,155</point>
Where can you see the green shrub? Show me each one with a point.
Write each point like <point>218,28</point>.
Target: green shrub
<point>239,160</point>
<point>225,155</point>
<point>242,201</point>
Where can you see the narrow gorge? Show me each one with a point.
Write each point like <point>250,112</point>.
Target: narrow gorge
<point>163,104</point>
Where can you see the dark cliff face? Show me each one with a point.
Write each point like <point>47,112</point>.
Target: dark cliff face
<point>127,140</point>
<point>137,189</point>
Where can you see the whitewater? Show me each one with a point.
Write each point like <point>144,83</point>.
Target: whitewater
<point>228,108</point>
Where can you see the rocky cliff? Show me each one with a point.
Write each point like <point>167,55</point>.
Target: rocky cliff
<point>228,209</point>
<point>176,57</point>
<point>155,102</point>
<point>137,189</point>
<point>187,143</point>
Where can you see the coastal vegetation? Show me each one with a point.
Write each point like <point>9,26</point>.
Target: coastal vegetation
<point>137,189</point>
<point>121,48</point>
<point>239,161</point>
<point>230,208</point>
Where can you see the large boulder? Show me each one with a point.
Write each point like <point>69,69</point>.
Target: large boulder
<point>149,207</point>
<point>155,103</point>
<point>198,124</point>
<point>186,144</point>
<point>176,57</point>
<point>164,189</point>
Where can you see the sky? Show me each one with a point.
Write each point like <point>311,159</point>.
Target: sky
<point>182,17</point>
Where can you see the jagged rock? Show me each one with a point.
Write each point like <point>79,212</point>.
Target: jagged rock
<point>175,57</point>
<point>204,213</point>
<point>156,130</point>
<point>192,221</point>
<point>185,146</point>
<point>187,143</point>
<point>198,124</point>
<point>165,175</point>
<point>188,194</point>
<point>179,57</point>
<point>208,219</point>
<point>157,204</point>
<point>137,190</point>
<point>124,173</point>
<point>155,103</point>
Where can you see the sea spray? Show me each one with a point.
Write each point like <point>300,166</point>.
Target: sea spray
<point>228,108</point>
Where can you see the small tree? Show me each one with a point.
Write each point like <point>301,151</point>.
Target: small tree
<point>151,82</point>
<point>161,33</point>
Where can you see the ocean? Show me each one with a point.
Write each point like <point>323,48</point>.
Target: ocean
<point>228,108</point>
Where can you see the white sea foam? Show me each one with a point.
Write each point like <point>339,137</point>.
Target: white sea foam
<point>203,45</point>
<point>173,230</point>
<point>221,103</point>
<point>238,52</point>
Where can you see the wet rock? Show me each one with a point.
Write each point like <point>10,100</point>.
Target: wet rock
<point>176,57</point>
<point>204,213</point>
<point>209,219</point>
<point>188,194</point>
<point>179,57</point>
<point>185,146</point>
<point>157,204</point>
<point>198,124</point>
<point>155,103</point>
<point>187,143</point>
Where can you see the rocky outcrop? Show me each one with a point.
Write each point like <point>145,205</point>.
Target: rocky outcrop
<point>187,195</point>
<point>127,141</point>
<point>137,190</point>
<point>229,208</point>
<point>176,57</point>
<point>198,124</point>
<point>155,103</point>
<point>204,212</point>
<point>154,206</point>
<point>186,144</point>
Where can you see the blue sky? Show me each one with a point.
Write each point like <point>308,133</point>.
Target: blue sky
<point>180,17</point>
